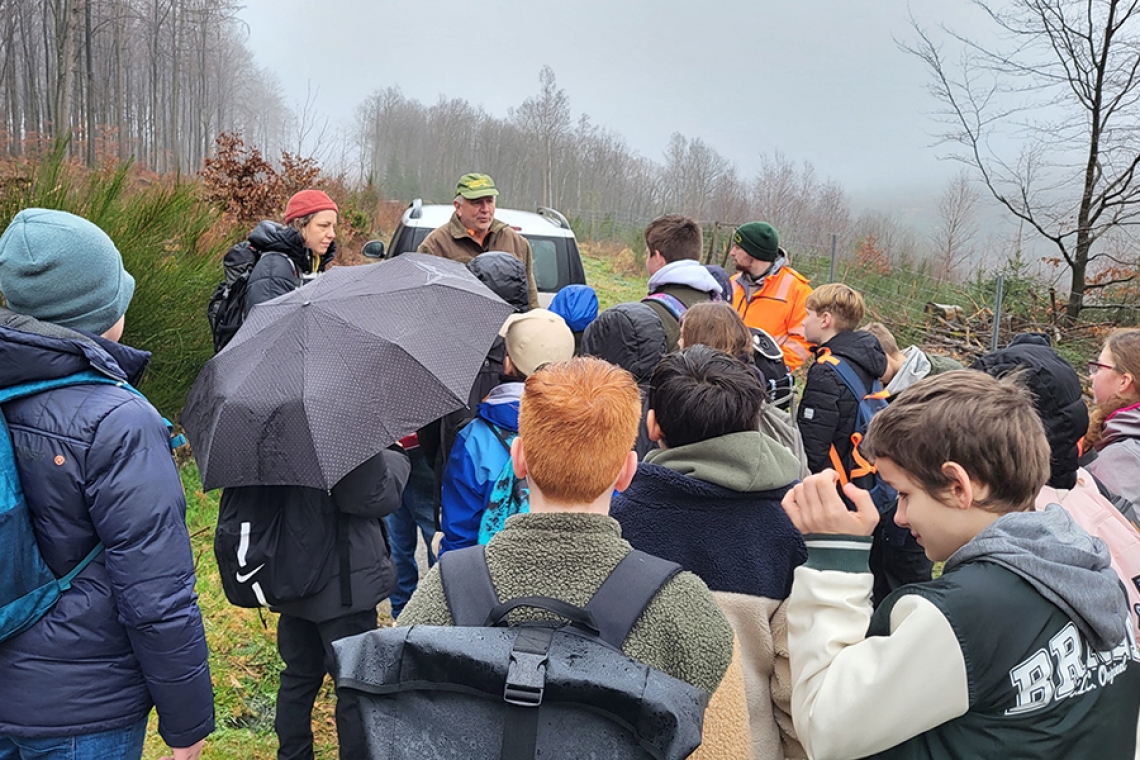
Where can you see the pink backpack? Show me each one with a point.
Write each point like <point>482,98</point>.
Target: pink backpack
<point>1100,518</point>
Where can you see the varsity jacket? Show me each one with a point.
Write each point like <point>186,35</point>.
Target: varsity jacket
<point>775,304</point>
<point>1022,648</point>
<point>713,507</point>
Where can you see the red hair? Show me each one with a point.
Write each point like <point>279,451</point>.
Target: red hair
<point>578,420</point>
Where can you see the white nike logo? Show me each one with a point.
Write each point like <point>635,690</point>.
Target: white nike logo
<point>243,578</point>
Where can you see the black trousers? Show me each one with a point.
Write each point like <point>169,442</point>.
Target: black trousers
<point>306,649</point>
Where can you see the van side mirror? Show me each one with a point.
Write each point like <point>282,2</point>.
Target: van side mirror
<point>373,249</point>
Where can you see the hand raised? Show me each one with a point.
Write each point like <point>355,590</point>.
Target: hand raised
<point>814,506</point>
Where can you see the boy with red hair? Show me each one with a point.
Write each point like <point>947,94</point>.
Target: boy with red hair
<point>577,423</point>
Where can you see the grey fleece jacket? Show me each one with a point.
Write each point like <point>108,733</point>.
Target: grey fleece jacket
<point>1062,562</point>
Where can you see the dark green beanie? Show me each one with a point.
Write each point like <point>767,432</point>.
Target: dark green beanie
<point>759,240</point>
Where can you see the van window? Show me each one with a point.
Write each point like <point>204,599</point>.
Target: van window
<point>545,263</point>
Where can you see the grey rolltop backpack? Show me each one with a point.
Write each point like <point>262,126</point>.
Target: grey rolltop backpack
<point>550,689</point>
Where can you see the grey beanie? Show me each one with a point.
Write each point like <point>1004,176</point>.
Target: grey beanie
<point>61,268</point>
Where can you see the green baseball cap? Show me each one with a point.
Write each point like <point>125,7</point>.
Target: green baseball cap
<point>472,186</point>
<point>759,240</point>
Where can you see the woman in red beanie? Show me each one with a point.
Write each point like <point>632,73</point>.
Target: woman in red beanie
<point>303,246</point>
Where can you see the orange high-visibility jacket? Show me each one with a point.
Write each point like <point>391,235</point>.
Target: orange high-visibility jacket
<point>778,309</point>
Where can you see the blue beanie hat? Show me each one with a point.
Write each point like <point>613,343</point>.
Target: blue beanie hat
<point>62,269</point>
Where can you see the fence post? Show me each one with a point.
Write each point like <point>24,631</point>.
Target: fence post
<point>831,272</point>
<point>997,312</point>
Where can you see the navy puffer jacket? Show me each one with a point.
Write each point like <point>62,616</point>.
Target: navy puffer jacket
<point>95,465</point>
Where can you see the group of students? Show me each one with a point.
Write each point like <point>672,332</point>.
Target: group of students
<point>862,624</point>
<point>805,612</point>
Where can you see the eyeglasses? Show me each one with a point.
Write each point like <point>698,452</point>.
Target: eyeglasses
<point>1095,367</point>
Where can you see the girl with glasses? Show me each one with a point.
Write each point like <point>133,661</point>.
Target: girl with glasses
<point>1114,430</point>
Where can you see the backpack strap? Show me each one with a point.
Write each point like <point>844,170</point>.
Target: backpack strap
<point>859,391</point>
<point>86,377</point>
<point>672,304</point>
<point>621,599</point>
<point>467,586</point>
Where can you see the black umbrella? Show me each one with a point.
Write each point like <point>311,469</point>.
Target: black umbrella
<point>320,379</point>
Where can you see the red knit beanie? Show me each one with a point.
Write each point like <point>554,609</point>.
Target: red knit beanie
<point>308,202</point>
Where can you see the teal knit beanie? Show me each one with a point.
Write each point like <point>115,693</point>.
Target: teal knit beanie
<point>61,268</point>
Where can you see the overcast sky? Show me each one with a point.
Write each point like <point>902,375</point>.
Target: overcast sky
<point>820,80</point>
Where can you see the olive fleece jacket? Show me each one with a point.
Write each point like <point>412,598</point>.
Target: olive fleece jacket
<point>682,632</point>
<point>453,241</point>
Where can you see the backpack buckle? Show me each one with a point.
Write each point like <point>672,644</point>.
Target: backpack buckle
<point>526,675</point>
<point>526,679</point>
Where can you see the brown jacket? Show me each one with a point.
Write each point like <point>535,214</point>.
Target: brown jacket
<point>452,241</point>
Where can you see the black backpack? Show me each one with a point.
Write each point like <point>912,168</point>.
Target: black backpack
<point>273,549</point>
<point>554,690</point>
<point>226,308</point>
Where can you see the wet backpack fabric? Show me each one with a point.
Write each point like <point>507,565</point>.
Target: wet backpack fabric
<point>28,588</point>
<point>546,689</point>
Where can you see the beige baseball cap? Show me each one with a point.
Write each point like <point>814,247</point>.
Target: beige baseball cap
<point>535,338</point>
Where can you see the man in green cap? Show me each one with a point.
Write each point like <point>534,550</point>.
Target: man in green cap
<point>767,292</point>
<point>473,229</point>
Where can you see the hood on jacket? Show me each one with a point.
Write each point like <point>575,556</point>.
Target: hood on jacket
<point>1057,397</point>
<point>1062,562</point>
<point>271,236</point>
<point>687,272</point>
<point>1121,424</point>
<point>501,407</point>
<point>34,350</point>
<point>505,275</point>
<point>915,367</point>
<point>629,335</point>
<point>861,348</point>
<point>577,304</point>
<point>720,274</point>
<point>746,462</point>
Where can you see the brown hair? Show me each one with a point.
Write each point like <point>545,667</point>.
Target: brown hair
<point>1124,347</point>
<point>675,237</point>
<point>986,425</point>
<point>578,420</point>
<point>842,302</point>
<point>717,325</point>
<point>883,335</point>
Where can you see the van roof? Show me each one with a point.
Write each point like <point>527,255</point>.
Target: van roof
<point>525,222</point>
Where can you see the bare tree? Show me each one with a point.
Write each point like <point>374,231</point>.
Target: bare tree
<point>546,117</point>
<point>1062,81</point>
<point>954,235</point>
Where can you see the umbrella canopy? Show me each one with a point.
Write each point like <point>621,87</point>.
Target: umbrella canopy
<point>318,380</point>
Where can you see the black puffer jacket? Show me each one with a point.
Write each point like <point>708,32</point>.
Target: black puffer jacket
<point>284,259</point>
<point>1057,396</point>
<point>505,275</point>
<point>631,336</point>
<point>828,410</point>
